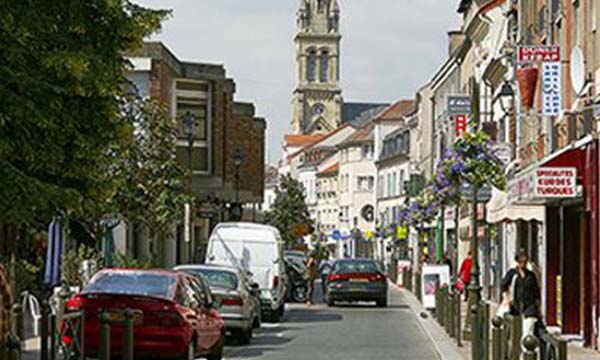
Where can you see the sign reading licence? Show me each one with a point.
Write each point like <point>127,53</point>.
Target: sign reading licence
<point>556,182</point>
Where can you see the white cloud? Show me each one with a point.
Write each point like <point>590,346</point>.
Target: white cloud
<point>389,49</point>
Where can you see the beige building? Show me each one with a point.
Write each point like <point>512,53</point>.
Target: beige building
<point>317,100</point>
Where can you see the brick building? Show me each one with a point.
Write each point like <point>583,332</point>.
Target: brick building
<point>223,127</point>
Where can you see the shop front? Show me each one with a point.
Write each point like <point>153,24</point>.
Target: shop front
<point>565,183</point>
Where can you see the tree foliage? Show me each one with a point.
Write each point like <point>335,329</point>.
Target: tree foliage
<point>61,75</point>
<point>289,208</point>
<point>151,184</point>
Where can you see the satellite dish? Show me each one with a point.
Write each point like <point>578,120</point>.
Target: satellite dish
<point>577,70</point>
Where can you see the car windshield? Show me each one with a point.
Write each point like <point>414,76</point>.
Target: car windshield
<point>216,278</point>
<point>133,283</point>
<point>355,266</point>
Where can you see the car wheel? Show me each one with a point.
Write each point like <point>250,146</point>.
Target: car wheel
<point>382,303</point>
<point>330,302</point>
<point>190,354</point>
<point>246,336</point>
<point>217,354</point>
<point>281,310</point>
<point>300,294</point>
<point>256,322</point>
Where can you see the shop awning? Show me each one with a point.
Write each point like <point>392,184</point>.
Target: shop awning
<point>498,209</point>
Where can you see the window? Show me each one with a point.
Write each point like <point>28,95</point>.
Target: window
<point>367,152</point>
<point>193,97</point>
<point>401,182</point>
<point>365,183</point>
<point>324,73</point>
<point>389,185</point>
<point>311,66</point>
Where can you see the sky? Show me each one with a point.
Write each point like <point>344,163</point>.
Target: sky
<point>389,48</point>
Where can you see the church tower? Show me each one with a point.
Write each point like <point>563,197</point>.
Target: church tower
<point>317,100</point>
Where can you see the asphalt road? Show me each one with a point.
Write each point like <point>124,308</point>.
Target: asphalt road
<point>341,333</point>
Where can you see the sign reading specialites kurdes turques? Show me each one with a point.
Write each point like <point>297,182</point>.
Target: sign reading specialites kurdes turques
<point>555,182</point>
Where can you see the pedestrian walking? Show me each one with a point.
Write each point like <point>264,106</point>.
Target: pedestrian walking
<point>464,274</point>
<point>446,261</point>
<point>311,275</point>
<point>523,286</point>
<point>325,269</point>
<point>7,300</point>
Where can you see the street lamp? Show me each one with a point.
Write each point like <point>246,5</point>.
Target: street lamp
<point>189,126</point>
<point>506,96</point>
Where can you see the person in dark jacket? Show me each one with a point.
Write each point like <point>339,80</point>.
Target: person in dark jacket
<point>523,284</point>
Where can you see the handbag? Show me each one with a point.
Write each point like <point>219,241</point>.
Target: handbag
<point>507,299</point>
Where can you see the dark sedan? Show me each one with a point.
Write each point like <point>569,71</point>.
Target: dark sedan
<point>354,280</point>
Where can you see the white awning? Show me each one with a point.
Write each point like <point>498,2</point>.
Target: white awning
<point>499,210</point>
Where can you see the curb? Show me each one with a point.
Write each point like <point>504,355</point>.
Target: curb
<point>443,344</point>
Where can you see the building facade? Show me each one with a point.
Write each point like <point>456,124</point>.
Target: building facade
<point>222,129</point>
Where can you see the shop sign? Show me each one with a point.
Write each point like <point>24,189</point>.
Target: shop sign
<point>459,105</point>
<point>401,232</point>
<point>460,125</point>
<point>521,188</point>
<point>539,54</point>
<point>551,81</point>
<point>555,182</point>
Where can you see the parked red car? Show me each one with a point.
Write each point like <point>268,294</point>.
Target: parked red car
<point>175,317</point>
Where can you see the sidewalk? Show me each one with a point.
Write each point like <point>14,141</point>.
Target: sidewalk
<point>447,347</point>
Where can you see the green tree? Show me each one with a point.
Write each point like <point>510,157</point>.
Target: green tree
<point>289,208</point>
<point>152,189</point>
<point>61,76</point>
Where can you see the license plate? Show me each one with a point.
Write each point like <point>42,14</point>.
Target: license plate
<point>119,317</point>
<point>359,280</point>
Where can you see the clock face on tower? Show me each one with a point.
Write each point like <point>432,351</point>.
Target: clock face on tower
<point>318,110</point>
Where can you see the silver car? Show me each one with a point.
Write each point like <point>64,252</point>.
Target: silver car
<point>234,295</point>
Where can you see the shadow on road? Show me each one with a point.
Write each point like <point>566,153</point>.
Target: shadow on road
<point>312,315</point>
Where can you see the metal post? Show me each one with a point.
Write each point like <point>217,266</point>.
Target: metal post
<point>104,350</point>
<point>474,289</point>
<point>530,343</point>
<point>45,311</point>
<point>128,335</point>
<point>497,338</point>
<point>458,309</point>
<point>53,344</point>
<point>485,326</point>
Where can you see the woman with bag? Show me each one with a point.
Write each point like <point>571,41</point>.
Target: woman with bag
<point>522,294</point>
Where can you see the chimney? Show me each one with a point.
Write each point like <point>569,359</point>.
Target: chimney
<point>455,40</point>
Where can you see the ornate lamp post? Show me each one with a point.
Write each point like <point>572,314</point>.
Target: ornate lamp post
<point>189,127</point>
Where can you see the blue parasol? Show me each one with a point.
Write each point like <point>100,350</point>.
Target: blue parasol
<point>52,274</point>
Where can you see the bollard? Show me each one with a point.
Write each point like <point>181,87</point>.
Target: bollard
<point>104,350</point>
<point>458,325</point>
<point>497,338</point>
<point>485,319</point>
<point>53,336</point>
<point>530,344</point>
<point>452,315</point>
<point>128,335</point>
<point>45,311</point>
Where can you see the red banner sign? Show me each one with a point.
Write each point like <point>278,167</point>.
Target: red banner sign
<point>460,125</point>
<point>539,53</point>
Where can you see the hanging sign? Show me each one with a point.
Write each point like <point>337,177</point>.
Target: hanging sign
<point>555,182</point>
<point>539,54</point>
<point>551,81</point>
<point>460,125</point>
<point>458,104</point>
<point>401,232</point>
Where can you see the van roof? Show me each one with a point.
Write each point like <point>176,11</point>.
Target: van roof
<point>252,231</point>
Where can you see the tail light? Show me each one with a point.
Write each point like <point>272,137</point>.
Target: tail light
<point>275,281</point>
<point>74,304</point>
<point>376,277</point>
<point>232,301</point>
<point>169,319</point>
<point>334,277</point>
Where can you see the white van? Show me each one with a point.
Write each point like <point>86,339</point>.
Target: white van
<point>258,249</point>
